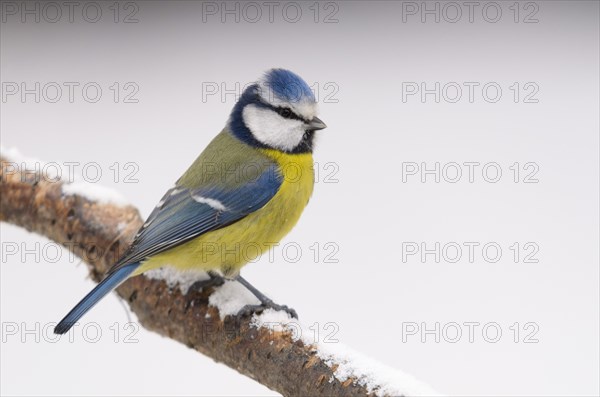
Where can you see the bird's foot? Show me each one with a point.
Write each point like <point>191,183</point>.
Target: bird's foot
<point>214,281</point>
<point>265,302</point>
<point>249,310</point>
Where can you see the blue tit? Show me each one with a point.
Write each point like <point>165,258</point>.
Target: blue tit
<point>242,195</point>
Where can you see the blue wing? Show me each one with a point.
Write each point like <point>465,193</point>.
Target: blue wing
<point>184,214</point>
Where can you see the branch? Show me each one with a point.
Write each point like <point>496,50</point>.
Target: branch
<point>273,356</point>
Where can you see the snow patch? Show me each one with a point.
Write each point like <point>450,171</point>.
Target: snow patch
<point>93,192</point>
<point>278,321</point>
<point>373,376</point>
<point>231,297</point>
<point>14,155</point>
<point>55,172</point>
<point>173,277</point>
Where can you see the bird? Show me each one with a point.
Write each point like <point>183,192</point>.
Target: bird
<point>245,192</point>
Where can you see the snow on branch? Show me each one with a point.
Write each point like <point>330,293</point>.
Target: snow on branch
<point>271,348</point>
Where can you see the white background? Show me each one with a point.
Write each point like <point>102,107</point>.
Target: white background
<point>176,51</point>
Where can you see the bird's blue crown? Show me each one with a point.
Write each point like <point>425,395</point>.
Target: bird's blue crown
<point>287,86</point>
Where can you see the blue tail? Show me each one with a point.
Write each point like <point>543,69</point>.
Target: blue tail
<point>112,281</point>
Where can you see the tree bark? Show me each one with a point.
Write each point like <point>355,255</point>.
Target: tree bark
<point>100,232</point>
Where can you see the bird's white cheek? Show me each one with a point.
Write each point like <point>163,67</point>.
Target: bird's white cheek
<point>270,128</point>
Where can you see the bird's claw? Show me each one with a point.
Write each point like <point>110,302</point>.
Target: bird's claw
<point>213,281</point>
<point>249,310</point>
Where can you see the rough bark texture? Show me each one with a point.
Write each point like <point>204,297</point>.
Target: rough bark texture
<point>96,233</point>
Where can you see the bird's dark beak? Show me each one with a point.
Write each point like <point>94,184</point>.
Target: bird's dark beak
<point>316,124</point>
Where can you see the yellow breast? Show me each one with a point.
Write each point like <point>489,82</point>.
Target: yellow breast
<point>228,249</point>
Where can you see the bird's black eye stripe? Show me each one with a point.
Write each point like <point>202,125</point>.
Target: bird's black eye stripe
<point>287,113</point>
<point>283,111</point>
